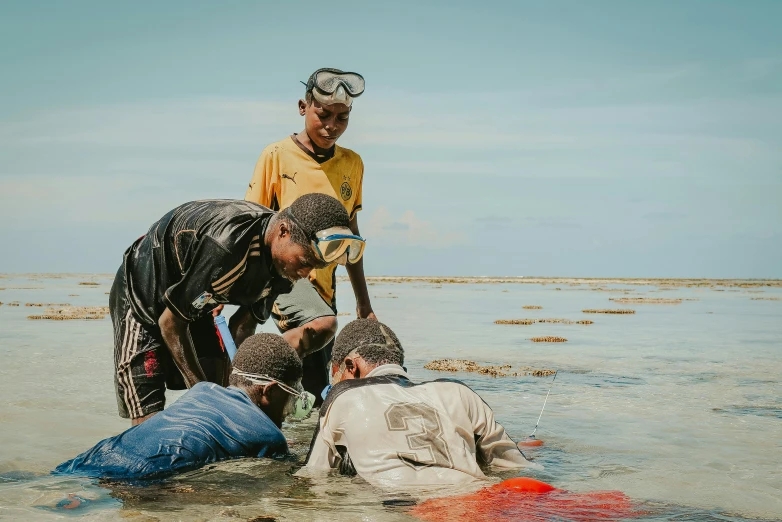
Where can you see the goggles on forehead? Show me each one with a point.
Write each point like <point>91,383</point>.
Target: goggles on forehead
<point>338,245</point>
<point>330,86</point>
<point>304,401</point>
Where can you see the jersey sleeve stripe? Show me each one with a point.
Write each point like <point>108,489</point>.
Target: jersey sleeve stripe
<point>219,282</point>
<point>226,287</point>
<point>223,286</point>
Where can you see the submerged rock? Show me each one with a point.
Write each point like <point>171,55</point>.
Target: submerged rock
<point>68,313</point>
<point>505,370</point>
<point>645,300</point>
<point>606,311</point>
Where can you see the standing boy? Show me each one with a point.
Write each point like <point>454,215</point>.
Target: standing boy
<point>308,162</point>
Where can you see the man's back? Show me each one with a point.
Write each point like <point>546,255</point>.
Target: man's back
<point>199,247</point>
<point>207,424</point>
<point>400,433</point>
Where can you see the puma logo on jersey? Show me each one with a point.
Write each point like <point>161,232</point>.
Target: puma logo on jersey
<point>293,179</point>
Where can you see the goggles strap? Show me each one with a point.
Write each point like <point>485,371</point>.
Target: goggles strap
<point>265,379</point>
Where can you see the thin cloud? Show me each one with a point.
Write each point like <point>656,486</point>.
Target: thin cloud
<point>408,230</point>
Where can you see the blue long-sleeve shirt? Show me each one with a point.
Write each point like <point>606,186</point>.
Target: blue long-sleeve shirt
<point>207,424</point>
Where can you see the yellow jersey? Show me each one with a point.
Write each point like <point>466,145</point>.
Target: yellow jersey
<point>286,171</point>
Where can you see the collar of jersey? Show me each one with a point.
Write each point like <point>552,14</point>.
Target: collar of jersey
<point>387,369</point>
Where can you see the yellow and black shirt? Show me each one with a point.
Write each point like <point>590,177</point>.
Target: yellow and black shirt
<point>287,170</point>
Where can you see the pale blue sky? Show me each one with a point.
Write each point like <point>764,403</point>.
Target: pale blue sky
<point>603,138</point>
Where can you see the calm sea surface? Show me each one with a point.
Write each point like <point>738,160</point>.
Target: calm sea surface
<point>677,406</point>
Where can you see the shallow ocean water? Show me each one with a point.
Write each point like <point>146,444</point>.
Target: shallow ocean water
<point>677,406</point>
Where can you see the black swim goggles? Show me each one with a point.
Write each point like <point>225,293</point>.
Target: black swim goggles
<point>331,86</point>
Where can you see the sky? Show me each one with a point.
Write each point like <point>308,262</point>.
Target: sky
<point>557,138</point>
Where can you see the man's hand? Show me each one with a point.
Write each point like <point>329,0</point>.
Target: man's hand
<point>217,311</point>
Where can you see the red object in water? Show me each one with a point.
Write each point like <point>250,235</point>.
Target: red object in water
<point>529,443</point>
<point>523,484</point>
<point>529,500</point>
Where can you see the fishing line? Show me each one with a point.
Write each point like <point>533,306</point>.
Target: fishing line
<point>531,441</point>
<point>544,404</point>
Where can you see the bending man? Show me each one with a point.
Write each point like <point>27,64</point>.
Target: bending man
<point>394,432</point>
<point>198,256</point>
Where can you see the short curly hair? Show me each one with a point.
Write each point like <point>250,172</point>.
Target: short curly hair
<point>315,212</point>
<point>267,354</point>
<point>375,342</point>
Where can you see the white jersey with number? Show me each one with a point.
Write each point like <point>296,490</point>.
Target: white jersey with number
<point>398,433</point>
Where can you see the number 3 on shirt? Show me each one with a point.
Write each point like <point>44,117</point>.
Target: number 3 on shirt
<point>406,416</point>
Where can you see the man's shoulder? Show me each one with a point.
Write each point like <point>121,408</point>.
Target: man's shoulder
<point>348,154</point>
<point>283,146</point>
<point>370,384</point>
<point>211,210</point>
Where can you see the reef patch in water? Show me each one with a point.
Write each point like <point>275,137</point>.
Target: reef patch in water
<point>556,320</point>
<point>645,300</point>
<point>607,311</point>
<point>505,370</point>
<point>71,313</point>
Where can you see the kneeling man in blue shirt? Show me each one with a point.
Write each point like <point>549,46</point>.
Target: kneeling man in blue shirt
<point>208,423</point>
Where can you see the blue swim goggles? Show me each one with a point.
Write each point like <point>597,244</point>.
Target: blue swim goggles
<point>338,245</point>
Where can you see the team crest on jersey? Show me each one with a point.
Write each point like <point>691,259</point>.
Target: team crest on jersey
<point>345,191</point>
<point>202,300</point>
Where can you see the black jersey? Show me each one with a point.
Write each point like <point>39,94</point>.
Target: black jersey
<point>202,254</point>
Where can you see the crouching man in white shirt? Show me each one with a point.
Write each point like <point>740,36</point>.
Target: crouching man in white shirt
<point>396,433</point>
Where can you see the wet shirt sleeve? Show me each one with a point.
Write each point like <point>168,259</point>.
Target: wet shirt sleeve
<point>493,444</point>
<point>211,268</point>
<point>262,308</point>
<point>324,455</point>
<point>264,185</point>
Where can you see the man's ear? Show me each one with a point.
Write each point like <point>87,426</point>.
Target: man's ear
<point>266,389</point>
<point>302,107</point>
<point>283,229</point>
<point>352,367</point>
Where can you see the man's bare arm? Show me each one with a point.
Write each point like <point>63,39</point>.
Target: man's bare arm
<point>359,282</point>
<point>242,325</point>
<point>177,337</point>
